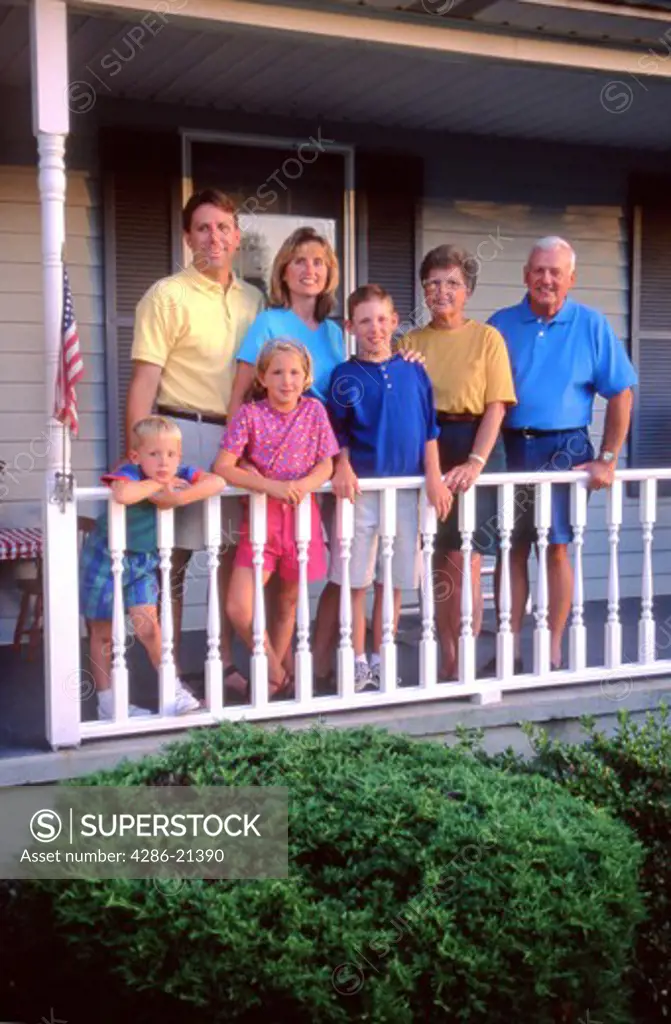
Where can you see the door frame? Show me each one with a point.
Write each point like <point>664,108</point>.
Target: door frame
<point>189,136</point>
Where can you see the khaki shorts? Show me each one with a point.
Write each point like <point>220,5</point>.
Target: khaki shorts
<point>365,562</point>
<point>200,447</point>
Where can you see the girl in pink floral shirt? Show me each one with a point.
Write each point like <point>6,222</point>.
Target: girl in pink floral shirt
<point>288,442</point>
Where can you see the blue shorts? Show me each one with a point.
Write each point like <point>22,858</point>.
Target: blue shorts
<point>96,583</point>
<point>555,452</point>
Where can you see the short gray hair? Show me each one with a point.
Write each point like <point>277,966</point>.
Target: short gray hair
<point>553,242</point>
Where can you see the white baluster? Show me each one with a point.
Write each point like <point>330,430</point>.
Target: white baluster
<point>119,673</point>
<point>543,522</point>
<point>259,660</point>
<point>345,514</point>
<point>467,638</point>
<point>647,513</point>
<point>303,652</point>
<point>578,630</point>
<point>166,673</point>
<point>388,662</point>
<point>428,647</point>
<point>613,624</point>
<point>505,641</point>
<point>214,678</point>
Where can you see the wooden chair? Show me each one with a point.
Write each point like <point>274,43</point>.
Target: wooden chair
<point>29,621</point>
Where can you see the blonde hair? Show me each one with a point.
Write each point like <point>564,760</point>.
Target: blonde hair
<point>151,426</point>
<point>279,293</point>
<point>275,345</point>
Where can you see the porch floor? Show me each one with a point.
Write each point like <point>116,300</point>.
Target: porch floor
<point>22,702</point>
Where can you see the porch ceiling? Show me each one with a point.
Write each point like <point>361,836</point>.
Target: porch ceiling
<point>619,21</point>
<point>284,74</point>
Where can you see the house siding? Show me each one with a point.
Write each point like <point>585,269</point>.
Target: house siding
<point>22,381</point>
<point>502,233</point>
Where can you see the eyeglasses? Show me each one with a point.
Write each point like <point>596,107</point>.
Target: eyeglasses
<point>434,284</point>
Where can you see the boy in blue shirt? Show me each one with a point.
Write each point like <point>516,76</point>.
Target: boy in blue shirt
<point>383,415</point>
<point>152,479</point>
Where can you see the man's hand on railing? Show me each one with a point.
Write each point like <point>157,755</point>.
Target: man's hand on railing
<point>601,474</point>
<point>440,496</point>
<point>345,482</point>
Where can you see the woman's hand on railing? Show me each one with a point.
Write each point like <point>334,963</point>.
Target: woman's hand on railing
<point>440,496</point>
<point>345,482</point>
<point>460,478</point>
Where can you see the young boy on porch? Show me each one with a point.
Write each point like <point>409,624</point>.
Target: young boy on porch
<point>382,411</point>
<point>152,478</point>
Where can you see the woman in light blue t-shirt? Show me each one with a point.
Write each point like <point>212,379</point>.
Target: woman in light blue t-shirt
<point>302,294</point>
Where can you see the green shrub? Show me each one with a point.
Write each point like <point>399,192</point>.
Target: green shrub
<point>628,774</point>
<point>423,887</point>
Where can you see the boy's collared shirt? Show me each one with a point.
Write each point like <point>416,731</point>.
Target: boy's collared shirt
<point>141,531</point>
<point>384,414</point>
<point>192,328</point>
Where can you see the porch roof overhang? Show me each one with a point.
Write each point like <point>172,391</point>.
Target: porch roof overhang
<point>612,21</point>
<point>337,66</point>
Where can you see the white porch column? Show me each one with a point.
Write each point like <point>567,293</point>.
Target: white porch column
<point>49,77</point>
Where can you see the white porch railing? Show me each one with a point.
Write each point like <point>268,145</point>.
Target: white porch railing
<point>64,725</point>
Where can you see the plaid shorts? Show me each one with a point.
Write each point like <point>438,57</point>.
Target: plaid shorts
<point>96,583</point>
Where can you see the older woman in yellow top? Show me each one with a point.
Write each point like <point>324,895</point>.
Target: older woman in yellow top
<point>469,368</point>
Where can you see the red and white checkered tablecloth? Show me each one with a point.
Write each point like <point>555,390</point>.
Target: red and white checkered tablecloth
<point>18,542</point>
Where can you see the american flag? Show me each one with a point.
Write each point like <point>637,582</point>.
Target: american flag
<point>70,367</point>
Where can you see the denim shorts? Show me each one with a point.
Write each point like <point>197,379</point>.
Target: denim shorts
<point>454,445</point>
<point>556,452</point>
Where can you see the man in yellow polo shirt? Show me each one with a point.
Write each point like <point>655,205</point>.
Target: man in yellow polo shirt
<point>188,329</point>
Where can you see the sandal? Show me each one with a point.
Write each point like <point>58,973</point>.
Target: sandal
<point>233,670</point>
<point>282,689</point>
<point>325,686</point>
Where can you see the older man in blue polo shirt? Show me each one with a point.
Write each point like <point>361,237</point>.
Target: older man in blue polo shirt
<point>562,354</point>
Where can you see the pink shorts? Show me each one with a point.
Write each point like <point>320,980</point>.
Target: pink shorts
<point>280,551</point>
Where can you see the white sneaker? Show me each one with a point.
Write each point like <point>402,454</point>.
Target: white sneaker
<point>363,680</point>
<point>376,677</point>
<point>106,708</point>
<point>184,700</point>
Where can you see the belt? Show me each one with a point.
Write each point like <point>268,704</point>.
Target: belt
<point>532,432</point>
<point>189,414</point>
<point>457,417</point>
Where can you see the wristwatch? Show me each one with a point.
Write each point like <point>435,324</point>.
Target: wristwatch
<point>607,457</point>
